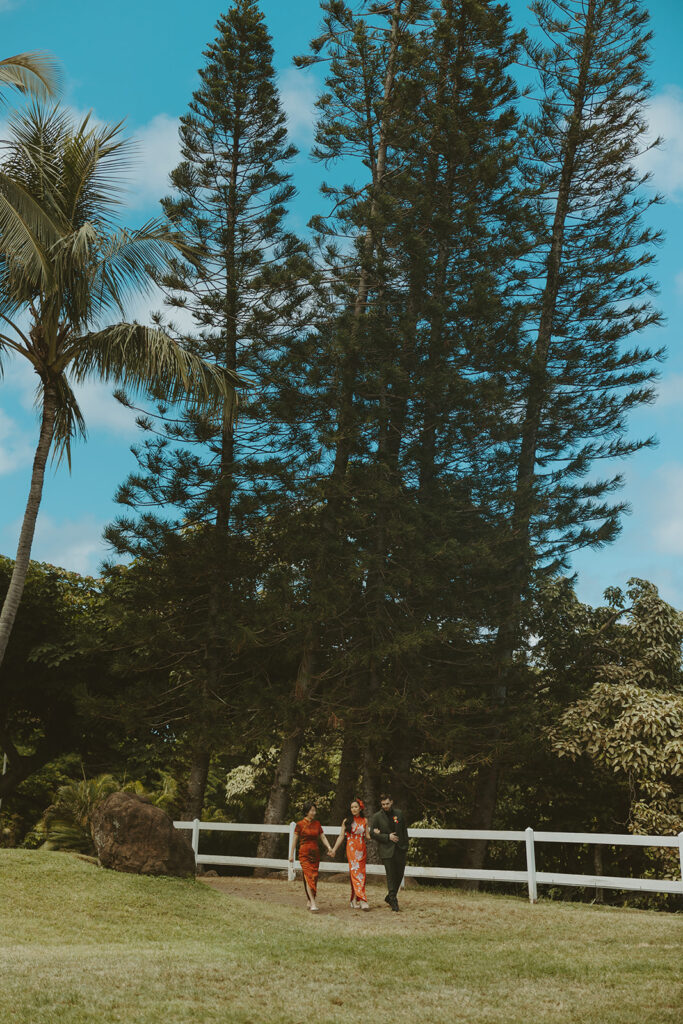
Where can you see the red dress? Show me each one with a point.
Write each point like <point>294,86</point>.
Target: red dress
<point>357,854</point>
<point>309,833</point>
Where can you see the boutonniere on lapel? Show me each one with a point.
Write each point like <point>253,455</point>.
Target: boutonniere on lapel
<point>396,819</point>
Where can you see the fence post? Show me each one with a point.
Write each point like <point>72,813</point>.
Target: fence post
<point>680,852</point>
<point>291,873</point>
<point>531,864</point>
<point>195,838</point>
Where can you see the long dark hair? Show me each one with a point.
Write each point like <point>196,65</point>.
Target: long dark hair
<point>348,820</point>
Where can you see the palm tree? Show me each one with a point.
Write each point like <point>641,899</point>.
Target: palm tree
<point>66,271</point>
<point>34,73</point>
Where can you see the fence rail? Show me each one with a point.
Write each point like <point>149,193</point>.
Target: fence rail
<point>529,877</point>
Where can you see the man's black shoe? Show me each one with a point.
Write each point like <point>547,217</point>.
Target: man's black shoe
<point>387,899</point>
<point>394,904</point>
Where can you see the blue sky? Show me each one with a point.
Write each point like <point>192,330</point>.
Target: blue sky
<point>138,61</point>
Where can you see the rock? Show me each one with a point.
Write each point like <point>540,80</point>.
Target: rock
<point>131,834</point>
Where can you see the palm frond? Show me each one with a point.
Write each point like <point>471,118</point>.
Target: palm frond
<point>26,233</point>
<point>34,72</point>
<point>69,421</point>
<point>129,260</point>
<point>93,157</point>
<point>141,359</point>
<point>32,152</point>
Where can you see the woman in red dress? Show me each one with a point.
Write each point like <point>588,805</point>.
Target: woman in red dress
<point>357,831</point>
<point>307,834</point>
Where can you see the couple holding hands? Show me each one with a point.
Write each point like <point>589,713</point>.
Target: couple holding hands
<point>387,828</point>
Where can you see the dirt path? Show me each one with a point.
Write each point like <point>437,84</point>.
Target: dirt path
<point>333,892</point>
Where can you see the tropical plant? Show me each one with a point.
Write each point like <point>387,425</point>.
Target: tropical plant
<point>67,268</point>
<point>47,676</point>
<point>33,72</point>
<point>66,825</point>
<point>631,721</point>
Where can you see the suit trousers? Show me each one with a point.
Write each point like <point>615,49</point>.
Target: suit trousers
<point>395,867</point>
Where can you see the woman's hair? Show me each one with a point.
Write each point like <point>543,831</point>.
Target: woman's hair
<point>307,806</point>
<point>348,820</point>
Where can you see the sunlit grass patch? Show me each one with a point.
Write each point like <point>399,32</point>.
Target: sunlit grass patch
<point>81,945</point>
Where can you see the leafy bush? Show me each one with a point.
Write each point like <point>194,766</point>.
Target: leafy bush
<point>66,825</point>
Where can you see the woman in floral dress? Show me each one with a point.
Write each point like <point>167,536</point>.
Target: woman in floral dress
<point>356,830</point>
<point>307,833</point>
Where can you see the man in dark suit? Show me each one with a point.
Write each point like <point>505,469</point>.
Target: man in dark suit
<point>388,829</point>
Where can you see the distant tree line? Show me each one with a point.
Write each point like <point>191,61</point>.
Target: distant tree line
<point>358,577</point>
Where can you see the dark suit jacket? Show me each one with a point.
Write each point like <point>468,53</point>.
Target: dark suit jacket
<point>393,821</point>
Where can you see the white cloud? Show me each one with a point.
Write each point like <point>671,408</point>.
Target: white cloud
<point>665,117</point>
<point>664,525</point>
<point>76,545</point>
<point>98,405</point>
<point>298,92</point>
<point>669,392</point>
<point>158,152</point>
<point>20,380</point>
<point>15,446</point>
<point>142,306</point>
<point>101,410</point>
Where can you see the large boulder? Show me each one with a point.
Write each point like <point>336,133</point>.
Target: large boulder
<point>131,834</point>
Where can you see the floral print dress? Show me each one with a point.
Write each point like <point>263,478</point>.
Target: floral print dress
<point>356,854</point>
<point>309,833</point>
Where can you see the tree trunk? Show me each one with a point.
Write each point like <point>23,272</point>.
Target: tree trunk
<point>20,766</point>
<point>347,779</point>
<point>371,790</point>
<point>196,783</point>
<point>279,793</point>
<point>343,441</point>
<point>16,587</point>
<point>536,399</point>
<point>485,796</point>
<point>402,761</point>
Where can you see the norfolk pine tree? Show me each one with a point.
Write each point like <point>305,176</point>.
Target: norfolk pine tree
<point>458,236</point>
<point>358,110</point>
<point>213,475</point>
<point>590,293</point>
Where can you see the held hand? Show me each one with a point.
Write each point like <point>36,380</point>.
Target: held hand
<point>393,837</point>
<point>376,831</point>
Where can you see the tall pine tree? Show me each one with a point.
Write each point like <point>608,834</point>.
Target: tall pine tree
<point>589,294</point>
<point>212,480</point>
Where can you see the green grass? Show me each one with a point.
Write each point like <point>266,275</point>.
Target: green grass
<point>80,945</point>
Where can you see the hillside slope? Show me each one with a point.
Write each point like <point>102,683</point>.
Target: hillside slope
<point>80,945</point>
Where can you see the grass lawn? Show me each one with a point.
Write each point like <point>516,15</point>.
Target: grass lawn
<point>80,945</point>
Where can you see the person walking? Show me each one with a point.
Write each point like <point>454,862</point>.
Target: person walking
<point>388,829</point>
<point>307,834</point>
<point>356,830</point>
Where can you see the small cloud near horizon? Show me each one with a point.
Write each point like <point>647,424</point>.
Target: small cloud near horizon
<point>75,545</point>
<point>665,118</point>
<point>298,93</point>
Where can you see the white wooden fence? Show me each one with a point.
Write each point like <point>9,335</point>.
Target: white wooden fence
<point>529,877</point>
